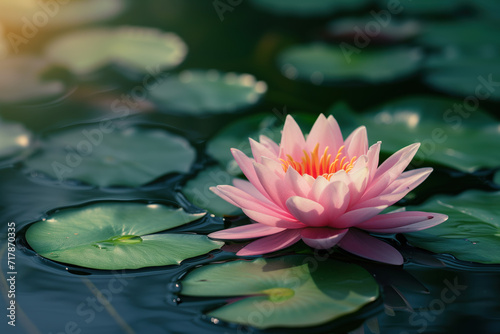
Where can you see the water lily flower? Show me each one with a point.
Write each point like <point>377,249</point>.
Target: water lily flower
<point>325,191</point>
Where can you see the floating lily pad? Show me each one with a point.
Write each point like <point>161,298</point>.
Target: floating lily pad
<point>465,74</point>
<point>207,92</point>
<point>308,8</point>
<point>420,7</point>
<point>113,235</point>
<point>22,81</point>
<point>59,13</point>
<point>139,49</point>
<point>14,138</point>
<point>472,232</point>
<point>236,134</point>
<point>100,154</point>
<point>198,192</point>
<point>322,64</point>
<point>465,34</point>
<point>293,290</point>
<point>393,30</point>
<point>450,133</point>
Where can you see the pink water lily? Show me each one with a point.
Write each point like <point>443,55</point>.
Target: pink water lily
<point>325,191</point>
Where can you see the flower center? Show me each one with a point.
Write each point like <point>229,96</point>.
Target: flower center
<point>314,165</point>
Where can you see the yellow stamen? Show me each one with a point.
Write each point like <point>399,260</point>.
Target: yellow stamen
<point>314,165</point>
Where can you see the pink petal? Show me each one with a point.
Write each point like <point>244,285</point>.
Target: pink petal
<point>364,245</point>
<point>335,198</point>
<point>397,189</point>
<point>325,132</point>
<point>341,176</point>
<point>402,222</point>
<point>321,237</point>
<point>385,200</point>
<point>373,157</point>
<point>357,143</point>
<point>375,188</point>
<point>390,170</point>
<point>275,188</point>
<point>273,221</point>
<point>246,201</point>
<point>246,232</point>
<point>259,151</point>
<point>251,190</point>
<point>317,188</point>
<point>409,180</point>
<point>360,163</point>
<point>274,166</point>
<point>270,144</point>
<point>307,211</point>
<point>271,243</point>
<point>246,166</point>
<point>358,180</point>
<point>292,140</point>
<point>222,195</point>
<point>354,217</point>
<point>297,183</point>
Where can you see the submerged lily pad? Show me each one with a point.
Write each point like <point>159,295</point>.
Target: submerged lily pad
<point>472,232</point>
<point>462,73</point>
<point>113,235</point>
<point>308,8</point>
<point>14,138</point>
<point>236,134</point>
<point>450,132</point>
<point>140,49</point>
<point>197,191</point>
<point>321,63</point>
<point>201,92</point>
<point>22,81</point>
<point>293,290</point>
<point>102,155</point>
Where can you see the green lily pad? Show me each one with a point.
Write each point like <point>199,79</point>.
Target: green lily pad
<point>198,92</point>
<point>14,138</point>
<point>101,155</point>
<point>236,134</point>
<point>197,191</point>
<point>308,8</point>
<point>140,49</point>
<point>290,291</point>
<point>113,235</point>
<point>450,133</point>
<point>323,64</point>
<point>395,30</point>
<point>464,74</point>
<point>22,81</point>
<point>465,34</point>
<point>421,7</point>
<point>472,231</point>
<point>59,13</point>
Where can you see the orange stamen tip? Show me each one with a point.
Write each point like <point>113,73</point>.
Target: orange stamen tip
<point>315,165</point>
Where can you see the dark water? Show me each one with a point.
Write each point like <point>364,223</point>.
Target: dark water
<point>431,294</point>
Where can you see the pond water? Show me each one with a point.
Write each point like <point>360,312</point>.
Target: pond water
<point>167,108</point>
